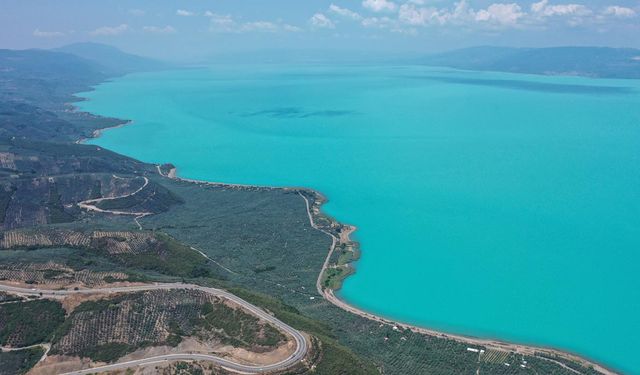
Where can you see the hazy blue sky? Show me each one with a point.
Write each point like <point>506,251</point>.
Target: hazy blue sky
<point>199,28</point>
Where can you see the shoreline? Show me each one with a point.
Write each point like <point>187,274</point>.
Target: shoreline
<point>98,132</point>
<point>489,343</point>
<point>173,174</point>
<point>342,236</point>
<point>314,211</point>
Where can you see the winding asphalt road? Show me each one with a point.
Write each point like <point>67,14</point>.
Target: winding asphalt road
<point>295,357</point>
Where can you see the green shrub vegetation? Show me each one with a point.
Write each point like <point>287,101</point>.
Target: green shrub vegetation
<point>108,352</point>
<point>20,361</point>
<point>154,197</point>
<point>542,364</point>
<point>336,358</point>
<point>28,323</point>
<point>239,328</point>
<point>284,312</point>
<point>334,276</point>
<point>6,297</point>
<point>174,340</point>
<point>57,213</point>
<point>6,192</point>
<point>186,368</point>
<point>170,257</point>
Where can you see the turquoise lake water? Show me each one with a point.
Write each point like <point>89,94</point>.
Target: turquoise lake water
<point>489,204</point>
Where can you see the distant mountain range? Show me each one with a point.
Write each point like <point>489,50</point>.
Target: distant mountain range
<point>112,60</point>
<point>583,61</point>
<point>35,84</point>
<point>37,63</point>
<point>85,61</point>
<point>100,60</point>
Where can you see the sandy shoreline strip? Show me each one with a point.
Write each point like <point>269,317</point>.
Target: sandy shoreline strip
<point>173,174</point>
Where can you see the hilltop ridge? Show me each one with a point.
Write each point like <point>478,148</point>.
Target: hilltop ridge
<point>602,62</point>
<point>113,60</point>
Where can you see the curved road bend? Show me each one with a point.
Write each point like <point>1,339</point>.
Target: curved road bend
<point>295,357</point>
<point>90,204</point>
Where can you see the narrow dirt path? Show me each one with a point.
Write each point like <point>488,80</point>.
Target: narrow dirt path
<point>90,205</point>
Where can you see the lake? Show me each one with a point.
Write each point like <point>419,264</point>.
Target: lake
<point>489,204</point>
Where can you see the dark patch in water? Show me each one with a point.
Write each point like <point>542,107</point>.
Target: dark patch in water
<point>296,112</point>
<point>531,86</point>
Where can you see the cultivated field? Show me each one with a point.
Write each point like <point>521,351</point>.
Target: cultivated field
<point>55,274</point>
<point>106,329</point>
<point>138,250</point>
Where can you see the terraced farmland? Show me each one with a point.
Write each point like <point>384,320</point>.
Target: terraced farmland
<point>116,243</point>
<point>150,251</point>
<point>113,242</point>
<point>52,273</point>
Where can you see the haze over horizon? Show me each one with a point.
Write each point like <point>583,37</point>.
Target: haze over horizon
<point>196,30</point>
